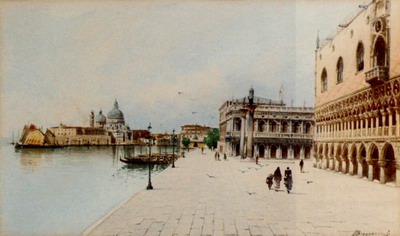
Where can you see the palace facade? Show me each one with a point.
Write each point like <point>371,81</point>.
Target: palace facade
<point>357,95</point>
<point>254,126</point>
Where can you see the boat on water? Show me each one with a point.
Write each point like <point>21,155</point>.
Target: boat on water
<point>144,159</point>
<point>33,137</point>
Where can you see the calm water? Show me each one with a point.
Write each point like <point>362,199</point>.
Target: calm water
<point>64,191</point>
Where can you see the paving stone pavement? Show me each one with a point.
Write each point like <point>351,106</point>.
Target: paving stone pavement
<point>202,196</point>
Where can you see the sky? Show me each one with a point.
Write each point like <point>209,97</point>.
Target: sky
<point>167,63</point>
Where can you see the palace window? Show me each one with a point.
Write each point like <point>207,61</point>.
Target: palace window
<point>339,70</point>
<point>360,57</point>
<point>324,81</point>
<point>380,52</point>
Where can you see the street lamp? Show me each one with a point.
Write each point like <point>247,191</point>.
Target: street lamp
<point>173,148</point>
<point>149,186</point>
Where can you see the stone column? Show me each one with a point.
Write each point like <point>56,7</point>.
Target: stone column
<point>397,170</point>
<point>376,124</point>
<point>351,166</point>
<point>397,110</point>
<point>250,130</point>
<point>268,152</point>
<point>390,112</point>
<point>302,152</point>
<point>382,168</point>
<point>344,166</point>
<point>359,169</point>
<point>242,132</point>
<point>279,153</point>
<point>290,154</point>
<point>370,171</point>
<point>383,121</point>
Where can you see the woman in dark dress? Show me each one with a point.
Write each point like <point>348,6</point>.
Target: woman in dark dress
<point>277,178</point>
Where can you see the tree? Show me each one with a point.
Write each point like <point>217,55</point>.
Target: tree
<point>186,142</point>
<point>212,138</point>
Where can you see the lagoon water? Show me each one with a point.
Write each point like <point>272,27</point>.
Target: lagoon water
<point>63,191</point>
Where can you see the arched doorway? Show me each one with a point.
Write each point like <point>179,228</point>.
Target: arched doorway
<point>332,157</point>
<point>363,160</point>
<point>345,158</point>
<point>338,158</point>
<point>261,151</point>
<point>296,152</point>
<point>273,151</point>
<point>390,167</point>
<point>284,152</point>
<point>353,159</point>
<point>307,152</point>
<point>237,149</point>
<point>374,157</point>
<point>326,154</point>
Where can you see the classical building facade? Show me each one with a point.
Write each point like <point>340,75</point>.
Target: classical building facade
<point>196,133</point>
<point>254,126</point>
<point>357,95</point>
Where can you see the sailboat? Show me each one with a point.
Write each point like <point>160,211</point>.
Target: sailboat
<point>12,139</point>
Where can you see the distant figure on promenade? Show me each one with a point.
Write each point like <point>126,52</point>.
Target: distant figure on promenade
<point>301,165</point>
<point>257,159</point>
<point>269,181</point>
<point>202,150</point>
<point>183,153</point>
<point>225,156</point>
<point>216,155</point>
<point>288,180</point>
<point>277,178</point>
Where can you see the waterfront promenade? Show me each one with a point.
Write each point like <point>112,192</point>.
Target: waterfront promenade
<point>202,196</point>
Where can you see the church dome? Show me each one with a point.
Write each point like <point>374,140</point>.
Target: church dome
<point>100,118</point>
<point>115,113</point>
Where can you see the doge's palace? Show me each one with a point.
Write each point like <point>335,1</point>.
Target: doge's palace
<point>357,95</point>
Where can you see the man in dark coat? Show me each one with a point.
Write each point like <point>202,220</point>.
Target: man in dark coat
<point>288,180</point>
<point>301,165</point>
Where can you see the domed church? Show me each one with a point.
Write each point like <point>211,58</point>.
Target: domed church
<point>114,124</point>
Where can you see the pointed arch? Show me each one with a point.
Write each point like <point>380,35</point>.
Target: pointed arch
<point>390,163</point>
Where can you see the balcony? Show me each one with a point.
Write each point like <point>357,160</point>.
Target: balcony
<point>377,75</point>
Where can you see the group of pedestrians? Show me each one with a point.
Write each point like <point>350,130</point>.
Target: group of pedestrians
<point>277,178</point>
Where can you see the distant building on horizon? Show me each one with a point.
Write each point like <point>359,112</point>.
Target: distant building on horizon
<point>357,95</point>
<point>196,133</point>
<point>254,126</point>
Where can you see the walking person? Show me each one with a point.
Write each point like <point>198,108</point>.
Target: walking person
<point>301,165</point>
<point>257,159</point>
<point>288,179</point>
<point>277,178</point>
<point>269,181</point>
<point>225,156</point>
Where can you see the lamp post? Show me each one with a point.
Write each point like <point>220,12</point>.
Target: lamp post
<point>173,148</point>
<point>149,186</point>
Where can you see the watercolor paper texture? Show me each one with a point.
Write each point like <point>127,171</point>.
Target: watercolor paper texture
<point>62,60</point>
